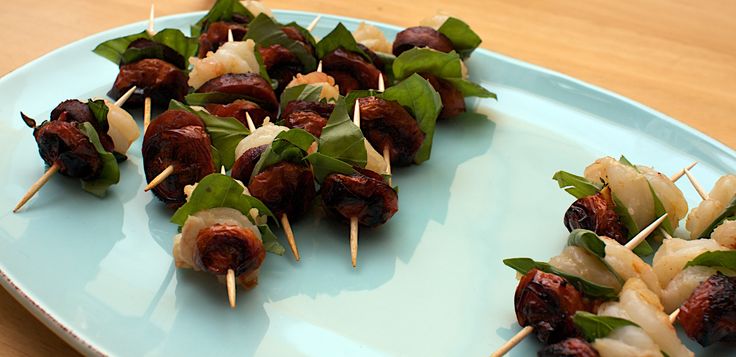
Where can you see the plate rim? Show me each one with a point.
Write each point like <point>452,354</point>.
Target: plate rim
<point>83,346</point>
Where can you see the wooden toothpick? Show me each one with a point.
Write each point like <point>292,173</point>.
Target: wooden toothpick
<point>37,186</point>
<point>354,240</point>
<point>696,185</point>
<point>290,236</point>
<point>160,178</point>
<point>249,120</point>
<point>314,23</point>
<point>150,29</point>
<point>230,280</point>
<point>634,242</point>
<point>381,85</point>
<point>124,98</point>
<point>319,66</point>
<point>511,343</point>
<point>680,173</point>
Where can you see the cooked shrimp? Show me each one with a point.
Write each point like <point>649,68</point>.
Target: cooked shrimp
<point>671,197</point>
<point>701,217</point>
<point>577,261</point>
<point>231,57</point>
<point>123,129</point>
<point>628,185</point>
<point>725,234</point>
<point>628,265</point>
<point>330,90</point>
<point>627,341</point>
<point>674,253</point>
<point>256,7</point>
<point>434,22</point>
<point>372,37</point>
<point>644,308</point>
<point>261,136</point>
<point>682,286</point>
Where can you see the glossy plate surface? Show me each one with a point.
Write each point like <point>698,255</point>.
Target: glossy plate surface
<point>431,282</point>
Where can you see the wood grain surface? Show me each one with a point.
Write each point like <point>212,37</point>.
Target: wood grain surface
<point>676,56</point>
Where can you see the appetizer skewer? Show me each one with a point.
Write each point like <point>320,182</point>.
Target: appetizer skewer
<point>117,137</point>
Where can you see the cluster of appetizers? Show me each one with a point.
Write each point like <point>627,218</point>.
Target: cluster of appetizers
<point>270,105</point>
<point>600,298</point>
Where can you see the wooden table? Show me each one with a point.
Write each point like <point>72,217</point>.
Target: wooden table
<point>676,57</point>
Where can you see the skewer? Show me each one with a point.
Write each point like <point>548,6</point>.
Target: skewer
<point>230,279</point>
<point>55,167</point>
<point>230,35</point>
<point>381,85</point>
<point>150,29</point>
<point>696,185</point>
<point>290,236</point>
<point>354,240</point>
<point>319,66</point>
<point>527,330</point>
<point>680,173</point>
<point>147,100</point>
<point>251,126</point>
<point>634,242</point>
<point>314,23</point>
<point>222,170</point>
<point>160,178</point>
<point>124,98</point>
<point>37,186</point>
<point>146,113</point>
<point>356,113</point>
<point>511,343</point>
<point>386,149</point>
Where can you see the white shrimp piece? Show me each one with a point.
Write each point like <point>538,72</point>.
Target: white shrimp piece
<point>186,241</point>
<point>644,308</point>
<point>372,37</point>
<point>682,286</point>
<point>720,196</point>
<point>725,234</point>
<point>376,163</point>
<point>671,197</point>
<point>624,341</point>
<point>123,129</point>
<point>231,57</point>
<point>628,265</point>
<point>261,136</point>
<point>330,90</point>
<point>629,186</point>
<point>256,8</point>
<point>577,261</point>
<point>674,253</point>
<point>434,22</point>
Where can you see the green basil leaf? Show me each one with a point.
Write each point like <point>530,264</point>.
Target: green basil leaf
<point>323,165</point>
<point>225,132</point>
<point>644,249</point>
<point>290,145</point>
<point>728,212</point>
<point>471,89</point>
<point>717,259</point>
<point>524,265</point>
<point>594,326</point>
<point>305,33</point>
<point>342,139</point>
<point>217,190</point>
<point>462,37</point>
<point>216,161</point>
<point>575,185</point>
<point>418,60</point>
<point>594,245</point>
<point>626,162</point>
<point>222,10</point>
<point>265,32</point>
<point>302,92</point>
<point>270,242</point>
<point>110,172</point>
<point>339,37</point>
<point>99,110</point>
<point>424,104</point>
<point>117,51</point>
<point>446,66</point>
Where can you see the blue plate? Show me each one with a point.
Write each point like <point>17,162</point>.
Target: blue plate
<point>99,272</point>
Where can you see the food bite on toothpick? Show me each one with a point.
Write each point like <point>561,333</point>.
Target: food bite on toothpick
<point>85,141</point>
<point>349,189</point>
<point>223,232</point>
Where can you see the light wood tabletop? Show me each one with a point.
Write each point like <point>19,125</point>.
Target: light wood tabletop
<point>677,57</point>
